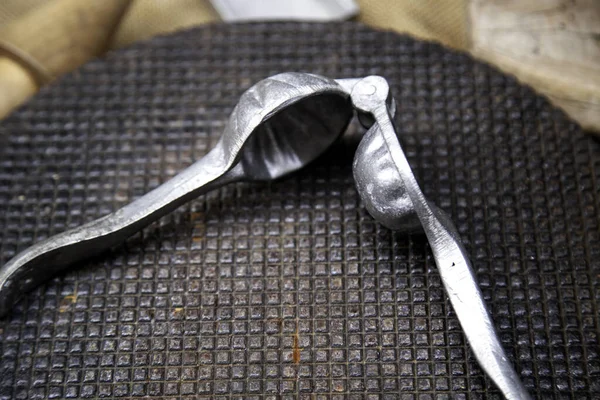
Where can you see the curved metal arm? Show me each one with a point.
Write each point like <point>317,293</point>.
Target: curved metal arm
<point>47,258</point>
<point>279,125</point>
<point>456,272</point>
<point>391,193</point>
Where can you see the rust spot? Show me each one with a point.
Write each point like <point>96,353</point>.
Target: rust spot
<point>67,301</point>
<point>196,215</point>
<point>177,311</point>
<point>338,386</point>
<point>296,348</point>
<point>278,322</point>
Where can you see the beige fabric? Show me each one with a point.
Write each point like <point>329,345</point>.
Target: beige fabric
<point>552,45</point>
<point>16,83</point>
<point>147,18</point>
<point>11,10</point>
<point>444,21</point>
<point>50,38</point>
<point>61,34</point>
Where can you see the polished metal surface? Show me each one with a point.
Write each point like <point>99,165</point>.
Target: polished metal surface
<point>280,125</point>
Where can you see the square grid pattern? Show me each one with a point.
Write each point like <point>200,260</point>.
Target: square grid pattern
<point>290,289</point>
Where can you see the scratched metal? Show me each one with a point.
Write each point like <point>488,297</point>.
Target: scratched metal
<point>290,289</point>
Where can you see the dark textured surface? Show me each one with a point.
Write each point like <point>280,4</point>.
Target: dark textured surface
<point>290,288</point>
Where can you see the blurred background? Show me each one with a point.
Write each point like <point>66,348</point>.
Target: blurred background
<point>551,45</point>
